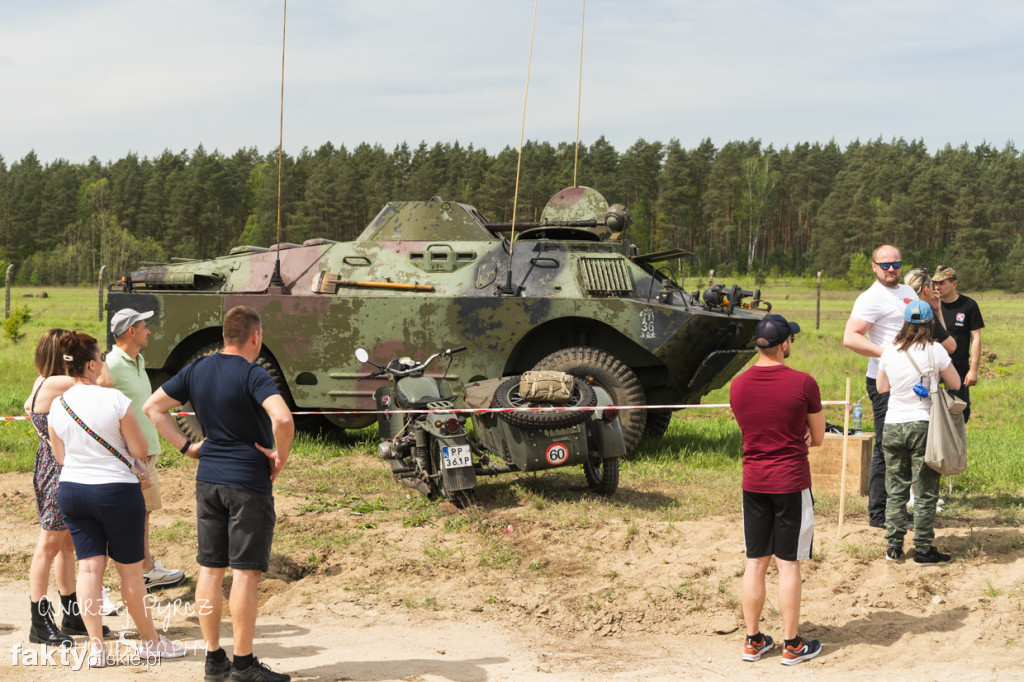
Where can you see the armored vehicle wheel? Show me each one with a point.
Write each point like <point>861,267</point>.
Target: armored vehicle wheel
<point>602,474</point>
<point>190,425</point>
<point>507,396</point>
<point>612,375</point>
<point>657,423</point>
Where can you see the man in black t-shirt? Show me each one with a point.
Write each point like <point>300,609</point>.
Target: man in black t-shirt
<point>243,417</point>
<point>964,323</point>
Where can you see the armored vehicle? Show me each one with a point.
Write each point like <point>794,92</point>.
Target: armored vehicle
<point>568,292</point>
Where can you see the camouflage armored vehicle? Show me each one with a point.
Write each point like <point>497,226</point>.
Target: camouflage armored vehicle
<point>570,292</point>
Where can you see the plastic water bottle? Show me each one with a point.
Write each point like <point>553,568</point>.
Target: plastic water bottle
<point>858,418</point>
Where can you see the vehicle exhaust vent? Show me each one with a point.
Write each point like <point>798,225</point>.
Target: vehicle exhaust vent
<point>605,276</point>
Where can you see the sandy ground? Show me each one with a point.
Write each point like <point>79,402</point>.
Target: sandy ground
<point>520,598</point>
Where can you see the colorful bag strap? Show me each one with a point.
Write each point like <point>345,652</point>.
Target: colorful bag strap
<point>98,438</point>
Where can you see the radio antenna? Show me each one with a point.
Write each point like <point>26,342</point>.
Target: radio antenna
<point>275,280</point>
<point>519,162</point>
<point>579,100</point>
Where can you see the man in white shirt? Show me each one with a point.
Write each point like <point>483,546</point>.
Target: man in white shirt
<point>876,318</point>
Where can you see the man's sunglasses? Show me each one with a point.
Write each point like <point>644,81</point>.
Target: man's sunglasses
<point>895,265</point>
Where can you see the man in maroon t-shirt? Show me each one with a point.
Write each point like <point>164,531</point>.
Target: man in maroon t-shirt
<point>779,413</point>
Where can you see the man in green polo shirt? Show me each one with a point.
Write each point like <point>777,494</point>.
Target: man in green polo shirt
<point>128,370</point>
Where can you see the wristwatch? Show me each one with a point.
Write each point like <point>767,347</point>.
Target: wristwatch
<point>185,447</point>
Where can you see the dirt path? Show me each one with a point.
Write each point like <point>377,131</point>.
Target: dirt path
<point>623,600</point>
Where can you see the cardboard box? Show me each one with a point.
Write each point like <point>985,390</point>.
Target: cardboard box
<point>827,460</point>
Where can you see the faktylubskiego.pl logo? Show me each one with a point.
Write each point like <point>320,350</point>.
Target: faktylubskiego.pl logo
<point>119,652</point>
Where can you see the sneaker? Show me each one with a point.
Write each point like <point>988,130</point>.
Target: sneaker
<point>752,650</point>
<point>931,557</point>
<point>804,650</point>
<point>257,672</point>
<point>217,670</point>
<point>161,648</point>
<point>894,553</point>
<point>159,576</point>
<point>108,607</point>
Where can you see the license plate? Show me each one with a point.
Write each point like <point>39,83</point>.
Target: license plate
<point>455,456</point>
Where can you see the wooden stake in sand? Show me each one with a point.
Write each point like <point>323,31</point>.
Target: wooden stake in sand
<point>842,471</point>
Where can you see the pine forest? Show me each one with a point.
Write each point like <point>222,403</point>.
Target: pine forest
<point>742,208</point>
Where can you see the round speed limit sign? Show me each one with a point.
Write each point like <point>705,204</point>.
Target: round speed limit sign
<point>556,454</point>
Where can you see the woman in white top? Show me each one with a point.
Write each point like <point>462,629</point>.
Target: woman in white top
<point>100,495</point>
<point>906,431</point>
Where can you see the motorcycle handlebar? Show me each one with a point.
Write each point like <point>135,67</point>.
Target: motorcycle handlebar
<point>418,368</point>
<point>378,373</point>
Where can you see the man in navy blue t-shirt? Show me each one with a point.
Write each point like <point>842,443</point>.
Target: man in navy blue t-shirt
<point>243,416</point>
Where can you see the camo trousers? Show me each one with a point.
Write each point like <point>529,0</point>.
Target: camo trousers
<point>904,446</point>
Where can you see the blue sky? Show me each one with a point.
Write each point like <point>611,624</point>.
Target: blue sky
<point>109,77</point>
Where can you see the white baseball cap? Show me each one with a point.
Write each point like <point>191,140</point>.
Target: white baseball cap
<point>125,318</point>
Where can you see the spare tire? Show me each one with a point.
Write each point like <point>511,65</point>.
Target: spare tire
<point>507,396</point>
<point>611,374</point>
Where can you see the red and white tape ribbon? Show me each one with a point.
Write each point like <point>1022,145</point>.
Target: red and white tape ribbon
<point>483,410</point>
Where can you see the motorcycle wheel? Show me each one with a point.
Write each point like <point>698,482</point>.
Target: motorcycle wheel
<point>612,375</point>
<point>463,498</point>
<point>507,396</point>
<point>602,474</point>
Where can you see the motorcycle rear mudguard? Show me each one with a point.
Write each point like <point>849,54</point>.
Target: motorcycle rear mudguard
<point>388,425</point>
<point>605,436</point>
<point>458,478</point>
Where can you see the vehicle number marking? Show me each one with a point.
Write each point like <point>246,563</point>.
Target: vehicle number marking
<point>455,456</point>
<point>646,324</point>
<point>557,454</point>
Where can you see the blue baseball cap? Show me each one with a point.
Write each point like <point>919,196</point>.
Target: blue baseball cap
<point>918,312</point>
<point>773,330</point>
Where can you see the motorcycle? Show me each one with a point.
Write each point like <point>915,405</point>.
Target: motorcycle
<point>428,452</point>
<point>433,453</point>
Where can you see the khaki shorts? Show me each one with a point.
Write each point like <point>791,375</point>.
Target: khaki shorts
<point>152,494</point>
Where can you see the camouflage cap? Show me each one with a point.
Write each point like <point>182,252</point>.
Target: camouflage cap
<point>944,272</point>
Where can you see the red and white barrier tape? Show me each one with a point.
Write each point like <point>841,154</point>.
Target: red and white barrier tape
<point>483,410</point>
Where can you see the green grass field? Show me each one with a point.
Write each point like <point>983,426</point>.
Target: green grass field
<point>701,447</point>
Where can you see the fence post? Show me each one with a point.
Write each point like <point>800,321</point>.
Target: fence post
<point>102,270</point>
<point>817,319</point>
<point>7,306</point>
<point>711,278</point>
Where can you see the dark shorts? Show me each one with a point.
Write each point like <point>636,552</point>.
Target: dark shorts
<point>235,526</point>
<point>106,519</point>
<point>779,524</point>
